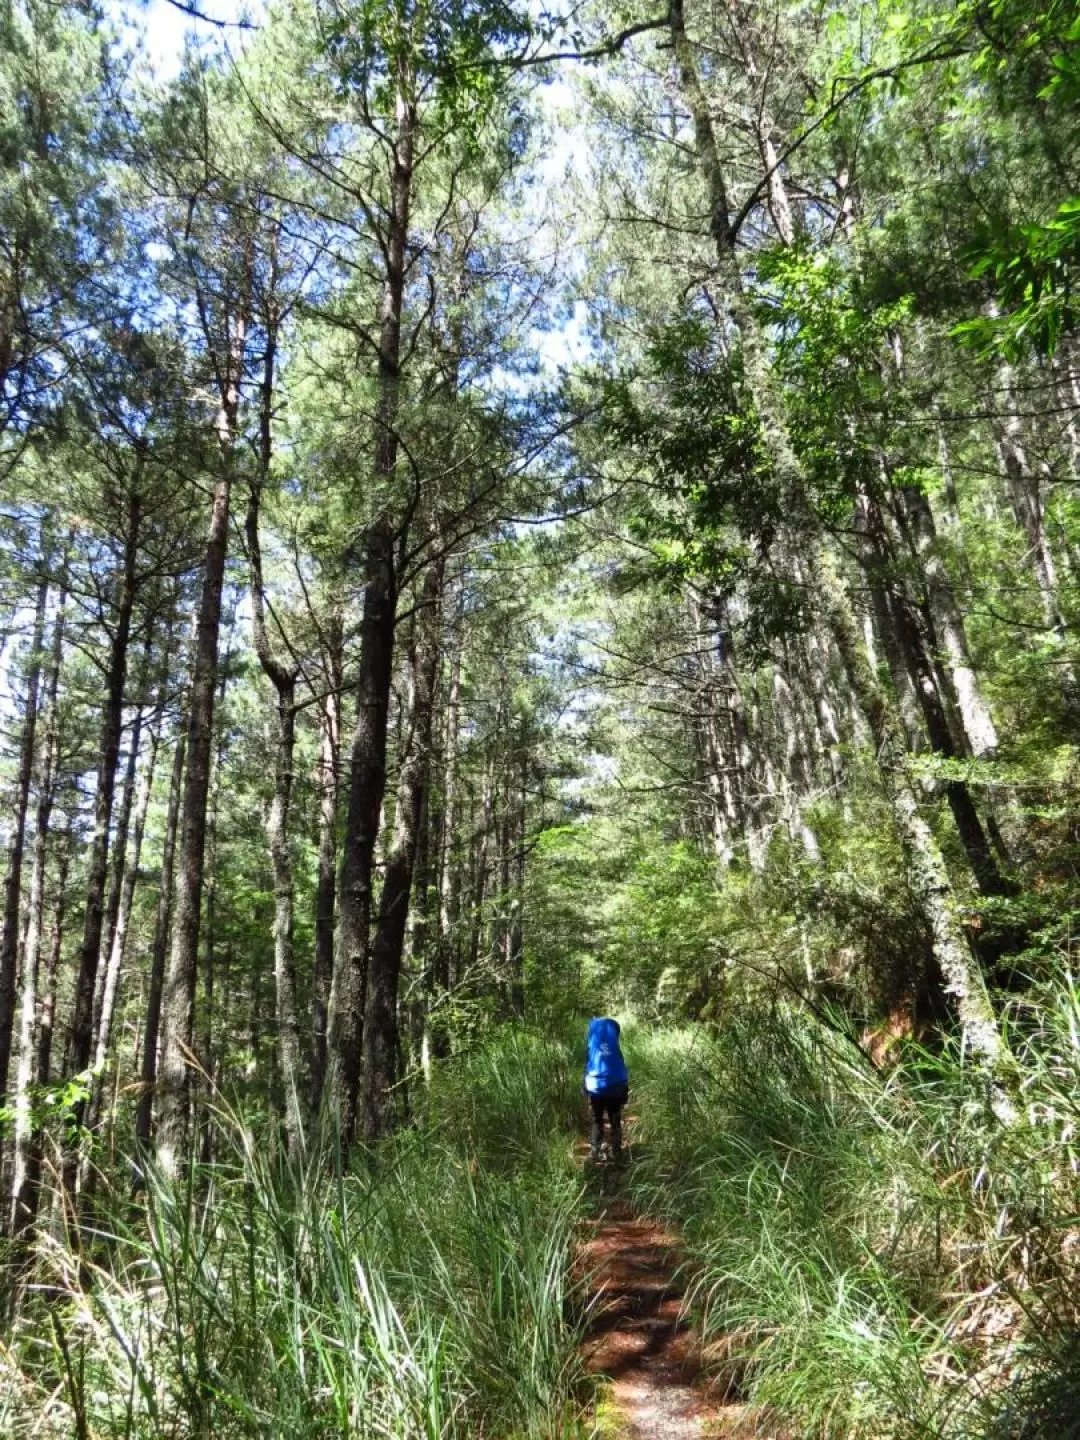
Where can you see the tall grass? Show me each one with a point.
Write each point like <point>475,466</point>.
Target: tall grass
<point>423,1296</point>
<point>871,1254</point>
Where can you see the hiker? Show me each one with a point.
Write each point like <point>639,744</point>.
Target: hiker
<point>606,1082</point>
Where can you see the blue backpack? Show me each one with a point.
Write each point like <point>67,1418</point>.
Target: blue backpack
<point>605,1068</point>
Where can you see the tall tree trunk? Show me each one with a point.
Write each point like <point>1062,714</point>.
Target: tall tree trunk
<point>380,1014</point>
<point>22,1206</point>
<point>283,678</point>
<point>119,854</point>
<point>214,996</point>
<point>1022,485</point>
<point>915,656</point>
<point>326,884</point>
<point>367,784</point>
<point>479,868</point>
<point>924,864</point>
<point>422,940</point>
<point>119,844</point>
<point>159,947</point>
<point>115,965</point>
<point>794,761</point>
<point>515,930</point>
<point>9,939</point>
<point>178,995</point>
<point>82,1025</point>
<point>718,759</point>
<point>885,624</point>
<point>448,868</point>
<point>978,723</point>
<point>367,769</point>
<point>30,1188</point>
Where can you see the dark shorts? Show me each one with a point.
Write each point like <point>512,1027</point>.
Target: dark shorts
<point>607,1105</point>
<point>609,1099</point>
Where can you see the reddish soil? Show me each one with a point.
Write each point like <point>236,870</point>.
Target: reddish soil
<point>640,1339</point>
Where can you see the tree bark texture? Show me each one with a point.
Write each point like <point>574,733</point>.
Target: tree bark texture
<point>9,940</point>
<point>28,1196</point>
<point>979,729</point>
<point>178,994</point>
<point>114,968</point>
<point>30,999</point>
<point>326,883</point>
<point>924,863</point>
<point>159,947</point>
<point>380,1015</point>
<point>82,1025</point>
<point>283,678</point>
<point>118,847</point>
<point>367,767</point>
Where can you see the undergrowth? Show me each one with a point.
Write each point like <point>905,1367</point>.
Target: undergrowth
<point>872,1255</point>
<point>425,1293</point>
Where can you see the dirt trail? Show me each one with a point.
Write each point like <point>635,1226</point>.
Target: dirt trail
<point>640,1339</point>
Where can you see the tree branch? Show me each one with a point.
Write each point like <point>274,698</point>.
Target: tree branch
<point>886,72</point>
<point>611,46</point>
<point>197,14</point>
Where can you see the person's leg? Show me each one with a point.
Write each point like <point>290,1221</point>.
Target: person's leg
<point>596,1136</point>
<point>615,1113</point>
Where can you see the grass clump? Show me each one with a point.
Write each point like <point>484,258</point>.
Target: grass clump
<point>424,1295</point>
<point>872,1254</point>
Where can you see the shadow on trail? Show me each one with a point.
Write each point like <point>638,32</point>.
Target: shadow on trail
<point>639,1340</point>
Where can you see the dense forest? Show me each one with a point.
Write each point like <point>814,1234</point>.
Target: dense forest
<point>512,514</point>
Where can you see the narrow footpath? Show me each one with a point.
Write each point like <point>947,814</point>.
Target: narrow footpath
<point>640,1340</point>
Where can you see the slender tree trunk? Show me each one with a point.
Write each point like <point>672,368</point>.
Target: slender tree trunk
<point>478,889</point>
<point>924,864</point>
<point>1066,369</point>
<point>30,1000</point>
<point>120,867</point>
<point>206,1078</point>
<point>422,940</point>
<point>978,723</point>
<point>745,800</point>
<point>115,965</point>
<point>214,1003</point>
<point>178,995</point>
<point>367,784</point>
<point>9,940</point>
<point>708,728</point>
<point>367,770</point>
<point>29,1194</point>
<point>448,878</point>
<point>914,654</point>
<point>515,930</point>
<point>1022,485</point>
<point>795,764</point>
<point>380,1015</point>
<point>283,678</point>
<point>82,1025</point>
<point>326,885</point>
<point>118,846</point>
<point>277,833</point>
<point>159,947</point>
<point>885,625</point>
